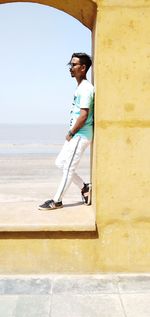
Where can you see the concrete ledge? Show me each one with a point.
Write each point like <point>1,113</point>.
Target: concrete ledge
<point>25,216</point>
<point>74,284</point>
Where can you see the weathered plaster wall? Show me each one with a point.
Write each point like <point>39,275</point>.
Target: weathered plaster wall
<point>123,134</point>
<point>121,173</point>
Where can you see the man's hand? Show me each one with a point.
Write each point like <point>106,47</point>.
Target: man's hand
<point>79,123</point>
<point>68,137</point>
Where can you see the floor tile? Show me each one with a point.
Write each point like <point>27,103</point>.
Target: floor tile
<point>136,305</point>
<point>86,306</point>
<point>32,306</point>
<point>8,305</point>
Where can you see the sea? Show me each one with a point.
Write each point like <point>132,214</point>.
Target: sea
<point>31,138</point>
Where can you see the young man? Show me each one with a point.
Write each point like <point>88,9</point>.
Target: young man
<point>79,135</point>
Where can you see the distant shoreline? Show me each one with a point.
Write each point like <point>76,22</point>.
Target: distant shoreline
<point>17,137</point>
<point>10,149</point>
<point>28,149</point>
<point>32,138</point>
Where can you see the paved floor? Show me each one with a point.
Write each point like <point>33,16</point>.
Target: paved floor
<point>115,295</point>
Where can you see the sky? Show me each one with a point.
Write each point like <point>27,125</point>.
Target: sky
<point>36,43</point>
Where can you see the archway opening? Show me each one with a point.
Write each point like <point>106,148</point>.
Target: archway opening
<point>51,68</point>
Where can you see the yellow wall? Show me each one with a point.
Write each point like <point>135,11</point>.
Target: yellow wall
<point>121,168</point>
<point>123,134</point>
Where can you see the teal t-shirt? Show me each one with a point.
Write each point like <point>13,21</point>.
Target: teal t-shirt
<point>83,99</point>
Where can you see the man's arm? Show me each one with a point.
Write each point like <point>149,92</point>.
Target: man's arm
<point>79,123</point>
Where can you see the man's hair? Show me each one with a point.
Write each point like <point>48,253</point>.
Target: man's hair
<point>84,59</point>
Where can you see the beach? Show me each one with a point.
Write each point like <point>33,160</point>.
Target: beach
<point>27,163</point>
<point>33,178</point>
<point>28,177</point>
<point>26,181</point>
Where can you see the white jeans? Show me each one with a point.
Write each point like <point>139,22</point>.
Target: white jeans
<point>68,159</point>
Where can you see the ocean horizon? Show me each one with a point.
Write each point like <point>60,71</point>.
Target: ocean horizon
<point>31,138</point>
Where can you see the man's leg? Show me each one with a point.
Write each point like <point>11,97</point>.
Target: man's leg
<point>77,180</point>
<point>68,159</point>
<point>60,161</point>
<point>75,149</point>
<point>61,158</point>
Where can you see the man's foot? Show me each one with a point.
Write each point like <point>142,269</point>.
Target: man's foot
<point>50,205</point>
<point>86,193</point>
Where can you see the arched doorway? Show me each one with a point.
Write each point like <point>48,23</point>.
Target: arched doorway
<point>84,10</point>
<point>72,15</point>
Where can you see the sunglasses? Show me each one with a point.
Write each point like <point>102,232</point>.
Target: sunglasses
<point>71,65</point>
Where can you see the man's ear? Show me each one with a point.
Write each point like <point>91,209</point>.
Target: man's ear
<point>84,67</point>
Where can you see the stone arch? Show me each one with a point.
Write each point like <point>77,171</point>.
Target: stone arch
<point>82,10</point>
<point>85,12</point>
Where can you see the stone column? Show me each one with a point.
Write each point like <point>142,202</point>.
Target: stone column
<point>122,133</point>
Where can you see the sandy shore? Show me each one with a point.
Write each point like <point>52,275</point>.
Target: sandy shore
<point>34,178</point>
<point>27,180</point>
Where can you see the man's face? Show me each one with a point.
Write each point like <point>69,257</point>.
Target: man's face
<point>76,69</point>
